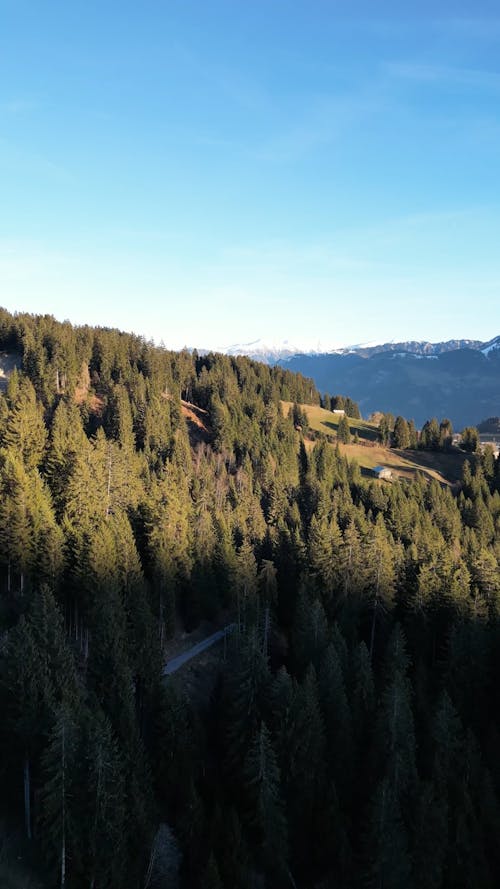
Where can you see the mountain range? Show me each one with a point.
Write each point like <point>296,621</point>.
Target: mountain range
<point>458,379</point>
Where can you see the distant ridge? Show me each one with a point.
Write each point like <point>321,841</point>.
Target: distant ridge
<point>271,352</point>
<point>457,379</point>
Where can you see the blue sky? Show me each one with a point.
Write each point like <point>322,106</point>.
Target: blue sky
<point>213,172</point>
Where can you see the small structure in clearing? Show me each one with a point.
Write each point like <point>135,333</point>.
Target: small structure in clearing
<point>382,472</point>
<point>339,411</point>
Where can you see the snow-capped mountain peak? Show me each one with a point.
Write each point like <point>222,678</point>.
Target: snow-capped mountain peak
<point>273,350</point>
<point>491,346</point>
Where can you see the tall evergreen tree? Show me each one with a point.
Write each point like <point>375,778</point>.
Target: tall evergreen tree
<point>265,808</point>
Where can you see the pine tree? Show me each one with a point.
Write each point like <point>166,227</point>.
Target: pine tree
<point>431,823</point>
<point>109,672</point>
<point>268,588</point>
<point>304,771</point>
<point>445,434</point>
<point>362,689</point>
<point>67,440</point>
<point>23,704</point>
<point>344,431</point>
<point>39,681</point>
<point>25,432</point>
<point>352,562</point>
<point>413,435</point>
<point>324,552</point>
<point>247,680</point>
<point>352,409</point>
<point>430,435</point>
<point>387,842</point>
<point>469,439</point>
<point>60,685</point>
<point>57,820</point>
<point>16,550</point>
<point>266,814</point>
<point>246,586</point>
<point>337,717</point>
<point>99,828</point>
<point>174,747</point>
<point>396,736</point>
<point>380,575</point>
<point>401,437</point>
<point>310,633</point>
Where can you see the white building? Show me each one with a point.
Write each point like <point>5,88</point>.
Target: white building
<point>382,472</point>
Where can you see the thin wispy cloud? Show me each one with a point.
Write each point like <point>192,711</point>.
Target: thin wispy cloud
<point>411,22</point>
<point>445,75</point>
<point>386,253</point>
<point>17,160</point>
<point>248,92</point>
<point>20,260</point>
<point>473,28</point>
<point>17,106</point>
<point>322,120</point>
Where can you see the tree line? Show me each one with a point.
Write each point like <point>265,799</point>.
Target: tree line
<point>434,436</point>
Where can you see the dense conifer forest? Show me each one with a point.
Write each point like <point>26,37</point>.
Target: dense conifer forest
<point>350,737</point>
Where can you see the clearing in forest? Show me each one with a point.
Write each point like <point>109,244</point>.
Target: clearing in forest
<point>446,468</point>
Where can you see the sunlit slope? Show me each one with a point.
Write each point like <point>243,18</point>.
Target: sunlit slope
<point>445,468</point>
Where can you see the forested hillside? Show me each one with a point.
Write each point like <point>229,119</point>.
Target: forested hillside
<point>351,739</point>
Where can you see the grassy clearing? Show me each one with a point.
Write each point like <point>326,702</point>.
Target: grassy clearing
<point>325,421</point>
<point>445,468</point>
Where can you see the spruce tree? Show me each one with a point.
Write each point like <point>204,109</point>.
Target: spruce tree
<point>265,813</point>
<point>401,435</point>
<point>337,717</point>
<point>100,824</point>
<point>344,431</point>
<point>25,432</point>
<point>58,816</point>
<point>387,846</point>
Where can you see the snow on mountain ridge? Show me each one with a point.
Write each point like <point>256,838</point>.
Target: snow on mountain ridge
<point>278,349</point>
<point>271,351</point>
<point>491,346</point>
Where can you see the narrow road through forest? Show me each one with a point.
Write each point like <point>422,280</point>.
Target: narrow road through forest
<point>181,659</point>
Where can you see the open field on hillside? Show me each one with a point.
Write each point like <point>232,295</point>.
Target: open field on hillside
<point>445,468</point>
<point>325,421</point>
